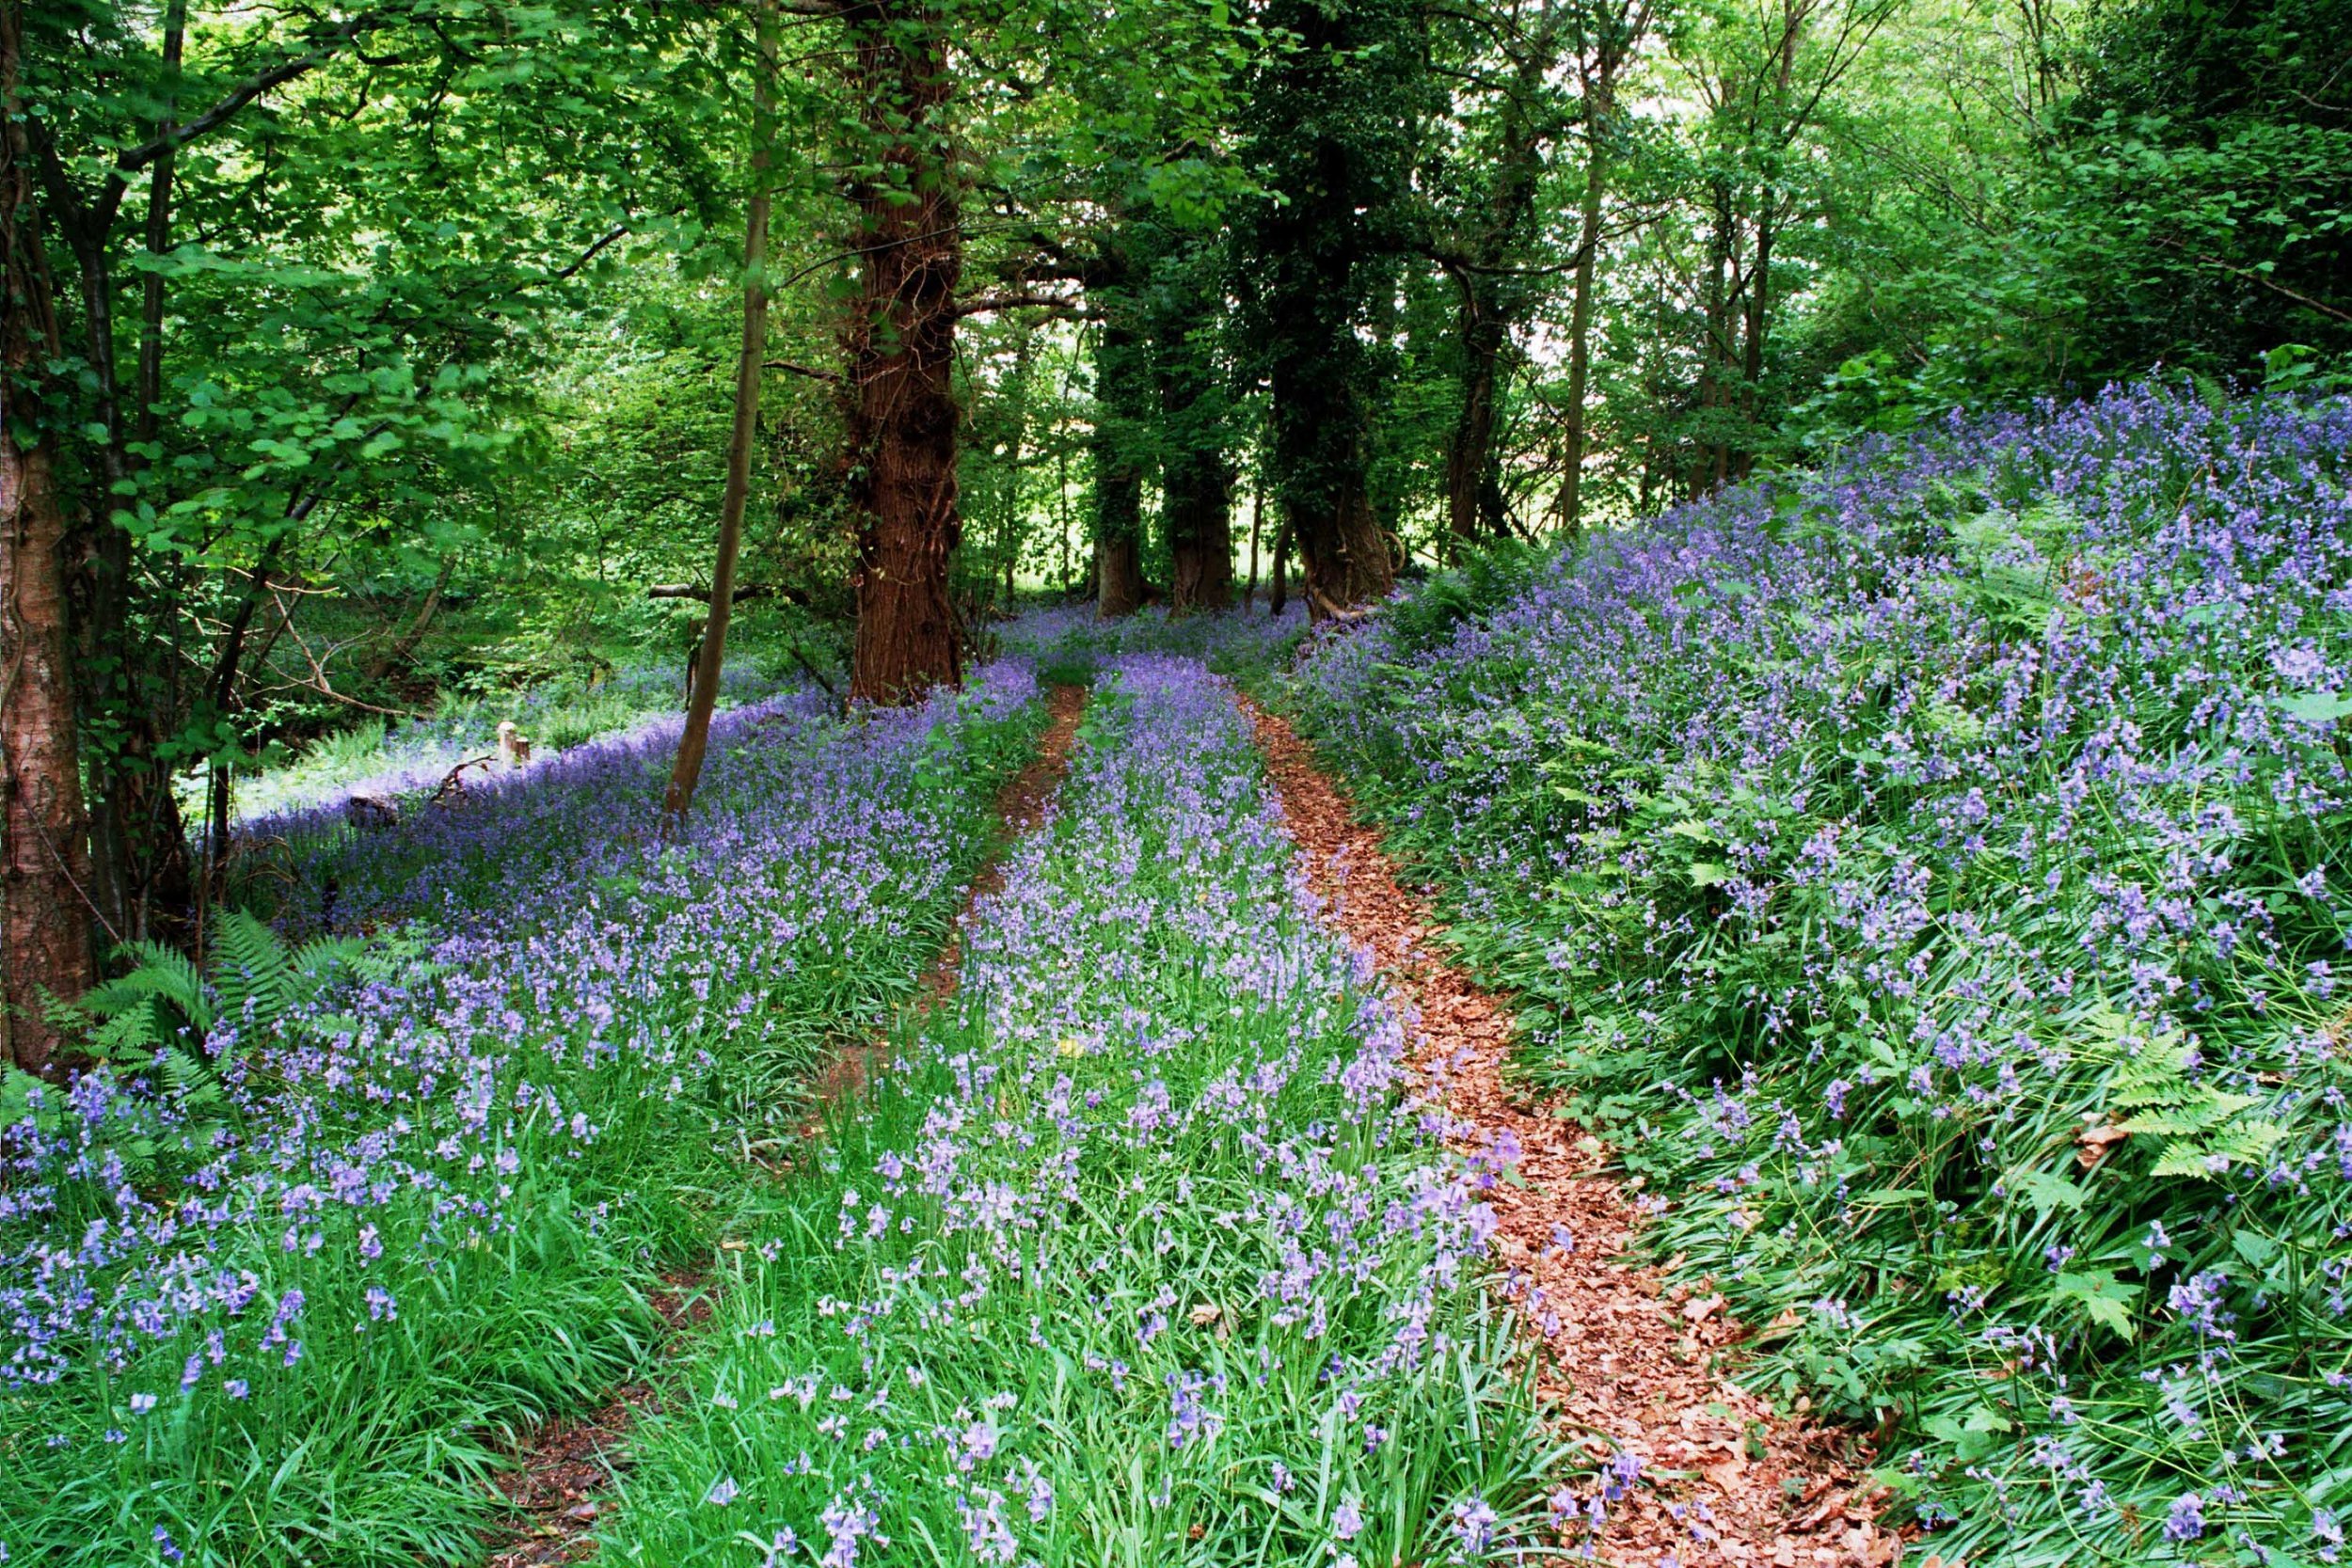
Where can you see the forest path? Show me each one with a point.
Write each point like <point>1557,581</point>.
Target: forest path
<point>1637,1368</point>
<point>557,1488</point>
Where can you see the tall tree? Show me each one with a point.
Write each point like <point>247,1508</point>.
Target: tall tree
<point>901,415</point>
<point>1336,111</point>
<point>1611,32</point>
<point>44,864</point>
<point>750,367</point>
<point>1484,236</point>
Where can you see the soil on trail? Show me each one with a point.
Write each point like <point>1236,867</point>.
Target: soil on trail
<point>556,1491</point>
<point>1633,1364</point>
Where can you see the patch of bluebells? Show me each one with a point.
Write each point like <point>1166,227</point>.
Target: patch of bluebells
<point>370,1186</point>
<point>1933,871</point>
<point>1138,1241</point>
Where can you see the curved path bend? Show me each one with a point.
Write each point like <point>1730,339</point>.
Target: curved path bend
<point>1634,1367</point>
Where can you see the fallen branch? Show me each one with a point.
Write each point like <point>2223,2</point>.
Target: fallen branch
<point>814,673</point>
<point>749,591</point>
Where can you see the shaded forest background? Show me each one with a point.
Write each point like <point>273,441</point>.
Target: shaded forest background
<point>361,356</point>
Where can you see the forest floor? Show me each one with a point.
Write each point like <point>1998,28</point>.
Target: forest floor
<point>1636,1366</point>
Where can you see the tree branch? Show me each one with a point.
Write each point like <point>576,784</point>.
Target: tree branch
<point>982,304</point>
<point>245,92</point>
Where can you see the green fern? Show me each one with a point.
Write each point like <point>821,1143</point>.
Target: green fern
<point>156,1016</point>
<point>2205,1130</point>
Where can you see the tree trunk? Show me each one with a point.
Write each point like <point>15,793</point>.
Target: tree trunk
<point>1343,556</point>
<point>1200,503</point>
<point>1279,597</point>
<point>1715,372</point>
<point>1473,486</point>
<point>1122,410</point>
<point>1257,516</point>
<point>686,771</point>
<point>901,415</point>
<point>44,857</point>
<point>1599,99</point>
<point>396,652</point>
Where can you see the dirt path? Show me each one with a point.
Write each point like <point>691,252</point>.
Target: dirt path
<point>557,1488</point>
<point>1635,1367</point>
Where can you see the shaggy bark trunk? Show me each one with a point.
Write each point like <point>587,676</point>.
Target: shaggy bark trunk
<point>686,771</point>
<point>44,859</point>
<point>901,415</point>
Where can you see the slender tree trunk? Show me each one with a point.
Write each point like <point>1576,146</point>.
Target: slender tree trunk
<point>901,415</point>
<point>44,858</point>
<point>686,771</point>
<point>1279,598</point>
<point>396,652</point>
<point>139,844</point>
<point>1715,393</point>
<point>1599,103</point>
<point>1257,516</point>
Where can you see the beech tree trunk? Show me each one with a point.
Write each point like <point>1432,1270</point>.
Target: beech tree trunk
<point>900,341</point>
<point>44,855</point>
<point>710,658</point>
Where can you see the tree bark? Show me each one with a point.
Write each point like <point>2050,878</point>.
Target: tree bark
<point>1279,595</point>
<point>396,652</point>
<point>1599,103</point>
<point>901,412</point>
<point>1343,555</point>
<point>1473,486</point>
<point>1257,516</point>
<point>1199,490</point>
<point>1120,412</point>
<point>44,857</point>
<point>686,771</point>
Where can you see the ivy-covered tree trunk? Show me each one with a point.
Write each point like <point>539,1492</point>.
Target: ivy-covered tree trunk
<point>1335,127</point>
<point>44,856</point>
<point>1474,479</point>
<point>901,412</point>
